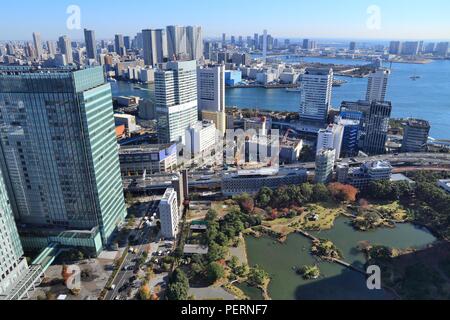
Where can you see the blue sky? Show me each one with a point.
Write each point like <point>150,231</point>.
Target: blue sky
<point>346,19</point>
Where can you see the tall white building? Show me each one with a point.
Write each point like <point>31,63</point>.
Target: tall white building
<point>155,46</point>
<point>317,86</point>
<point>331,138</point>
<point>37,45</point>
<point>377,86</point>
<point>325,165</point>
<point>211,88</point>
<point>169,214</point>
<point>176,42</point>
<point>194,42</point>
<point>176,99</point>
<point>200,137</point>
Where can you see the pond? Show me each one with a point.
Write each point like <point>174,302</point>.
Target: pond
<point>336,282</point>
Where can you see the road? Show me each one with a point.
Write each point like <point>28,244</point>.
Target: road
<point>123,277</point>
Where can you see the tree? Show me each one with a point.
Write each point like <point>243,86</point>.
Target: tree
<point>320,193</point>
<point>216,252</point>
<point>264,197</point>
<point>144,292</point>
<point>343,192</point>
<point>178,287</point>
<point>258,275</point>
<point>215,272</point>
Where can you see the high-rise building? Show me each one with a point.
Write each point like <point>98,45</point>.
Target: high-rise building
<point>211,88</point>
<point>224,39</point>
<point>176,99</point>
<point>410,48</point>
<point>395,47</point>
<point>309,44</point>
<point>442,49</point>
<point>91,44</point>
<point>194,42</point>
<point>176,42</point>
<point>13,265</point>
<point>119,44</point>
<point>65,47</point>
<point>169,214</point>
<point>325,165</point>
<point>59,150</point>
<point>377,85</point>
<point>37,45</point>
<point>352,46</point>
<point>316,85</point>
<point>127,42</point>
<point>350,142</point>
<point>155,46</point>
<point>331,138</point>
<point>377,126</point>
<point>416,135</point>
<point>51,48</point>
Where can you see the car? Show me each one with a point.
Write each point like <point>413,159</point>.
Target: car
<point>124,287</point>
<point>112,287</point>
<point>132,279</point>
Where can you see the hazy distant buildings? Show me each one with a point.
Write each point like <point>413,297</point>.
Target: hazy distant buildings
<point>91,44</point>
<point>176,99</point>
<point>442,49</point>
<point>155,46</point>
<point>119,44</point>
<point>316,91</point>
<point>176,42</point>
<point>395,47</point>
<point>65,48</point>
<point>59,150</point>
<point>194,42</point>
<point>377,85</point>
<point>37,40</point>
<point>416,135</point>
<point>410,48</point>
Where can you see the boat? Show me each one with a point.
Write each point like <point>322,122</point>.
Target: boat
<point>338,82</point>
<point>414,78</point>
<point>296,89</point>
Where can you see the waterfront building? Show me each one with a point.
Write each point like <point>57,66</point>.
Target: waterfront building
<point>416,135</point>
<point>169,214</point>
<point>331,138</point>
<point>176,99</point>
<point>147,159</point>
<point>200,137</point>
<point>411,48</point>
<point>12,263</point>
<point>59,150</point>
<point>233,77</point>
<point>91,44</point>
<point>37,41</point>
<point>65,48</point>
<point>442,49</point>
<point>316,91</point>
<point>325,160</point>
<point>211,88</point>
<point>377,85</point>
<point>377,126</point>
<point>352,46</point>
<point>251,181</point>
<point>395,47</point>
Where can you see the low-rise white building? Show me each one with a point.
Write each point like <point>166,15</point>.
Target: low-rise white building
<point>169,214</point>
<point>200,137</point>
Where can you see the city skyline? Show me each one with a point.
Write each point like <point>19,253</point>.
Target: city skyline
<point>364,20</point>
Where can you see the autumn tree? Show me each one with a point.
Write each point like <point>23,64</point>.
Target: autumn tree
<point>343,192</point>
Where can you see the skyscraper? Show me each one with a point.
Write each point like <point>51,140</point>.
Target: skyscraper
<point>59,149</point>
<point>91,45</point>
<point>51,48</point>
<point>395,47</point>
<point>317,86</point>
<point>37,45</point>
<point>119,44</point>
<point>155,46</point>
<point>176,42</point>
<point>65,47</point>
<point>377,125</point>
<point>224,39</point>
<point>169,214</point>
<point>377,85</point>
<point>194,42</point>
<point>12,264</point>
<point>331,138</point>
<point>176,99</point>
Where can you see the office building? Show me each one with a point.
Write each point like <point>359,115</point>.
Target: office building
<point>65,48</point>
<point>200,137</point>
<point>233,77</point>
<point>350,142</point>
<point>147,159</point>
<point>59,150</point>
<point>377,126</point>
<point>395,47</point>
<point>176,43</point>
<point>119,45</point>
<point>224,39</point>
<point>12,263</point>
<point>211,88</point>
<point>176,99</point>
<point>352,46</point>
<point>91,44</point>
<point>169,214</point>
<point>219,118</point>
<point>411,48</point>
<point>127,42</point>
<point>155,46</point>
<point>331,138</point>
<point>416,133</point>
<point>377,85</point>
<point>442,49</point>
<point>309,44</point>
<point>325,160</point>
<point>51,49</point>
<point>369,171</point>
<point>194,42</point>
<point>316,91</point>
<point>37,41</point>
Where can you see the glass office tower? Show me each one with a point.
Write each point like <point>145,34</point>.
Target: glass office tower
<point>59,151</point>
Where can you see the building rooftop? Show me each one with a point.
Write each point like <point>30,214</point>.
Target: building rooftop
<point>418,123</point>
<point>145,148</point>
<point>377,165</point>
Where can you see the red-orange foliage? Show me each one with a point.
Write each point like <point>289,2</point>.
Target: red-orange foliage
<point>343,192</point>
